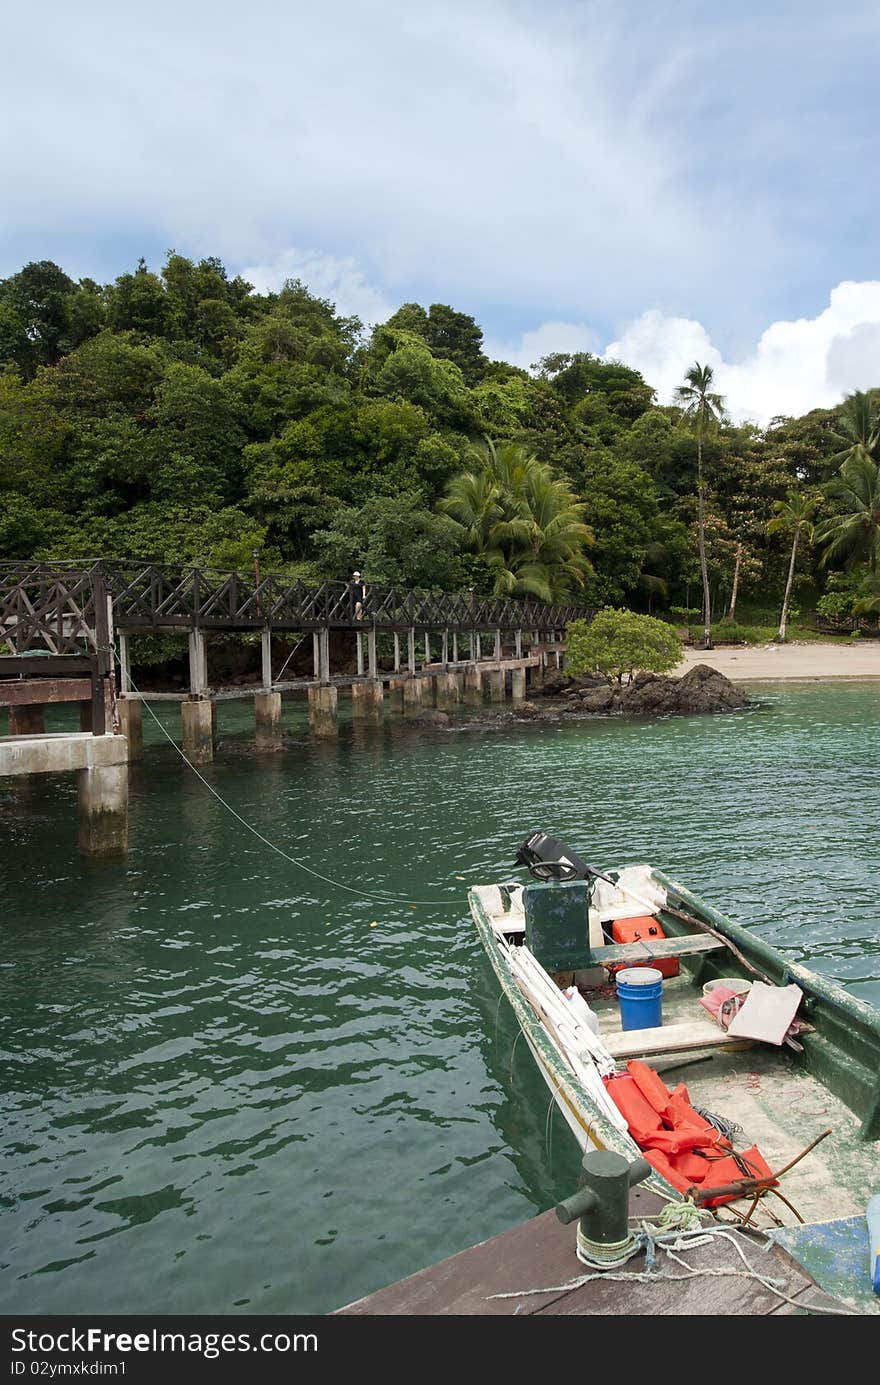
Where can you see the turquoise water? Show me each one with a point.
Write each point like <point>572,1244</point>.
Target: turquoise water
<point>233,1088</point>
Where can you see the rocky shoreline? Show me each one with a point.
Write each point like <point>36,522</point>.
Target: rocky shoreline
<point>701,689</point>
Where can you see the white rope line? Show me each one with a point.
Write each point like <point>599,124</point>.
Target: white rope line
<point>684,1241</point>
<point>273,846</point>
<point>278,676</point>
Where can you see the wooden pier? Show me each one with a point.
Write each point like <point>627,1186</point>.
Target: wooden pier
<point>540,1255</point>
<point>68,631</point>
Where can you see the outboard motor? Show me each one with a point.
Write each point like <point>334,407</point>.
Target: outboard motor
<point>550,859</point>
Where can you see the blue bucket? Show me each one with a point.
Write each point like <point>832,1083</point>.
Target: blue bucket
<point>640,992</point>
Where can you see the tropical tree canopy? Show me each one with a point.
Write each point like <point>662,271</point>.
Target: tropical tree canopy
<point>525,522</point>
<point>178,415</point>
<point>696,398</point>
<point>857,425</point>
<point>853,533</point>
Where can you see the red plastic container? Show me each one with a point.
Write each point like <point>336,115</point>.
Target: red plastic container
<point>644,930</point>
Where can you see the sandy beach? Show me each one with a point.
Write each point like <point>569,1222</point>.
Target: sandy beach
<point>775,663</point>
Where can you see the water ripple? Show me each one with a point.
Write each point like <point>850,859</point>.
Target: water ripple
<point>232,1088</point>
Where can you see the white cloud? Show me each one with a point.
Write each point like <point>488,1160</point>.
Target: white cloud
<point>475,155</point>
<point>795,366</point>
<point>541,341</point>
<point>327,276</point>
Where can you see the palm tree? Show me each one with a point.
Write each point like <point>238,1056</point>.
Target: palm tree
<point>794,516</point>
<point>853,534</point>
<point>731,613</point>
<point>704,408</point>
<point>524,520</point>
<point>858,425</point>
<point>474,499</point>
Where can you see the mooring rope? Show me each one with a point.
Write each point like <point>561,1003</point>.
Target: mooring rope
<point>273,846</point>
<point>670,1243</point>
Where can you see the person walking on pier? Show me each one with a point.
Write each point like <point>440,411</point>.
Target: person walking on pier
<point>358,596</point>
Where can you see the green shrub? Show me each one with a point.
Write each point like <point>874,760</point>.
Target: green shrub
<point>835,605</point>
<point>734,633</point>
<point>616,642</point>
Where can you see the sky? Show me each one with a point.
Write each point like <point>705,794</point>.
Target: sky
<point>655,182</point>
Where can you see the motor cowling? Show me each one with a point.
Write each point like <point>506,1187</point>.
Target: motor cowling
<point>548,858</point>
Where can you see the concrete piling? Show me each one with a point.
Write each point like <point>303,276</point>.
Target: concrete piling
<point>473,686</point>
<point>131,725</point>
<point>394,694</point>
<point>324,710</point>
<point>197,722</point>
<point>367,700</point>
<point>449,688</point>
<point>517,684</point>
<point>495,684</point>
<point>102,793</point>
<point>414,696</point>
<point>100,763</point>
<point>267,715</point>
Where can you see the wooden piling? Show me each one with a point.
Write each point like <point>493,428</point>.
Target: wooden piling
<point>27,720</point>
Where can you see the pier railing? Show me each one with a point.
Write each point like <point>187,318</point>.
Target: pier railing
<point>150,597</point>
<point>61,611</point>
<point>64,609</point>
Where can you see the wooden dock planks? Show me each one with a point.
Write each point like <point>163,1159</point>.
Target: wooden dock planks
<point>540,1254</point>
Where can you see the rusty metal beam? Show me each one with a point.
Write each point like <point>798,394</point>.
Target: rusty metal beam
<point>26,691</point>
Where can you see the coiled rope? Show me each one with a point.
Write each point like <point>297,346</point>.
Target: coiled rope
<point>673,1243</point>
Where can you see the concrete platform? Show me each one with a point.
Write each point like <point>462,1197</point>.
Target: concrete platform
<point>58,753</point>
<point>101,767</point>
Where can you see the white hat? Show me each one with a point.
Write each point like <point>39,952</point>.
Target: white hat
<point>355,574</point>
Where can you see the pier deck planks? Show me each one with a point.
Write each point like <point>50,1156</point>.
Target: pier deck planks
<point>541,1253</point>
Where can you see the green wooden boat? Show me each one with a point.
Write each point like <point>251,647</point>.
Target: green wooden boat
<point>545,939</point>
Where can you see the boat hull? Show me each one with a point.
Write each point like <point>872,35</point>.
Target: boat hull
<point>841,1052</point>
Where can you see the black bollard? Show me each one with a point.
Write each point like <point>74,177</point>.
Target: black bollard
<point>602,1206</point>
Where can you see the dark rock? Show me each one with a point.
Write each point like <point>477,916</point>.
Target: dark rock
<point>555,682</point>
<point>431,718</point>
<point>527,709</point>
<point>597,699</point>
<point>560,685</point>
<point>704,689</point>
<point>701,689</point>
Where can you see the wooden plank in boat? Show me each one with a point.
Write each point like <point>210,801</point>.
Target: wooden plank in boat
<point>686,946</point>
<point>668,1038</point>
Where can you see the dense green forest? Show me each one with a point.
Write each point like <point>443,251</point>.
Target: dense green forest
<point>182,417</point>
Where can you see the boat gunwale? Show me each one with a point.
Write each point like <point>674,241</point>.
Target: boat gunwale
<point>812,983</point>
<point>600,1130</point>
